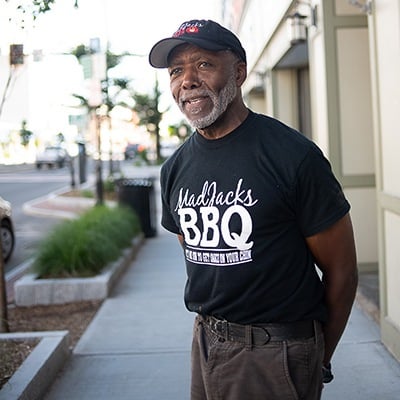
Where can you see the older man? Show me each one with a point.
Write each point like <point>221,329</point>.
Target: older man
<point>256,207</point>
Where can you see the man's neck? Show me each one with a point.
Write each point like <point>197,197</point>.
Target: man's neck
<point>227,123</point>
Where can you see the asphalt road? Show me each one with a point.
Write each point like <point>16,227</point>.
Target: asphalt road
<point>20,184</point>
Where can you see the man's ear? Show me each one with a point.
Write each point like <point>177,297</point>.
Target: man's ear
<point>241,73</point>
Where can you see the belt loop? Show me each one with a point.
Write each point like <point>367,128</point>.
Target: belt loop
<point>226,330</point>
<point>249,337</point>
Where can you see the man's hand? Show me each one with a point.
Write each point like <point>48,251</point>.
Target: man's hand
<point>327,375</point>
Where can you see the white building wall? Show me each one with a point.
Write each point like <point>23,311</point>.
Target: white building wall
<point>261,20</point>
<point>355,105</point>
<point>384,24</point>
<point>364,218</point>
<point>318,91</point>
<point>354,64</point>
<point>341,110</point>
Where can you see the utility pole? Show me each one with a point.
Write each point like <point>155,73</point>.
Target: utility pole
<point>97,73</point>
<point>16,59</point>
<point>157,131</point>
<point>99,167</point>
<point>109,105</point>
<point>3,295</point>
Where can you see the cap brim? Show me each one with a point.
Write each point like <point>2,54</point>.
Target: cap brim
<point>158,56</point>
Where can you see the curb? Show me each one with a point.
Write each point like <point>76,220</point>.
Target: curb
<point>29,291</point>
<point>57,206</point>
<point>37,372</point>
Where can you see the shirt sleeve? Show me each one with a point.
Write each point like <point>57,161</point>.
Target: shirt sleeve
<point>320,201</point>
<point>167,220</point>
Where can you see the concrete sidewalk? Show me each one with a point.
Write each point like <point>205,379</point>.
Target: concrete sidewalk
<point>363,368</point>
<point>138,345</point>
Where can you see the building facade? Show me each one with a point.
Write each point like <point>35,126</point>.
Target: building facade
<point>330,68</point>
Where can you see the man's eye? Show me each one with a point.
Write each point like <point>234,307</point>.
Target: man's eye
<point>174,71</point>
<point>204,64</point>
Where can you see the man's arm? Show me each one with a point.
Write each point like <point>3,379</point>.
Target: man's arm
<point>335,255</point>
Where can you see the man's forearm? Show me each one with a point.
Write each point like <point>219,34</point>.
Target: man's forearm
<point>339,305</point>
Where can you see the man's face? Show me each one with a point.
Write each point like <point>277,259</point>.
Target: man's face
<point>203,83</point>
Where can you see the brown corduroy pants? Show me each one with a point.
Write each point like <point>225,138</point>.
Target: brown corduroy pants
<point>228,370</point>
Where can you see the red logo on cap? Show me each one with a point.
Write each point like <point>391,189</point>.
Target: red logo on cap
<point>188,28</point>
<point>192,29</point>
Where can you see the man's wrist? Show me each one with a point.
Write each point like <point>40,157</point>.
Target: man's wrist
<point>327,375</point>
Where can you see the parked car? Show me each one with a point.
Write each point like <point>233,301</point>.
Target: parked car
<point>52,156</point>
<point>167,149</point>
<point>131,151</point>
<point>6,229</point>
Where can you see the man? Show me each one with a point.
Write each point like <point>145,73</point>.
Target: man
<point>255,206</point>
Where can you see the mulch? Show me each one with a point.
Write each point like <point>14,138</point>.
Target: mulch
<point>74,317</point>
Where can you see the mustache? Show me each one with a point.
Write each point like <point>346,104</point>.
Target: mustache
<point>193,95</point>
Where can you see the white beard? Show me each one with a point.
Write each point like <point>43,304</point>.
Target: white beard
<point>220,102</point>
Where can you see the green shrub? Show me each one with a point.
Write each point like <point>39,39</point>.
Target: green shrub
<point>87,193</point>
<point>83,247</point>
<point>109,185</point>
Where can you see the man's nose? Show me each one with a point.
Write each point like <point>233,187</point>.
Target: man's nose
<point>190,79</point>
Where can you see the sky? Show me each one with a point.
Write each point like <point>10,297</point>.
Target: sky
<point>126,25</point>
<point>131,25</point>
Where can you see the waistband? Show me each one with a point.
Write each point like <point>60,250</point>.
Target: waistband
<point>261,334</point>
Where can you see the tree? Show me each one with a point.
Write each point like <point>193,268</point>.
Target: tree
<point>34,8</point>
<point>146,106</point>
<point>25,134</point>
<point>112,60</point>
<point>80,50</point>
<point>93,111</point>
<point>147,109</point>
<point>182,130</point>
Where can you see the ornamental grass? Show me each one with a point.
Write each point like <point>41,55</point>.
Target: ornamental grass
<point>84,246</point>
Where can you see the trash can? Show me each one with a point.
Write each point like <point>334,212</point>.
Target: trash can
<point>138,193</point>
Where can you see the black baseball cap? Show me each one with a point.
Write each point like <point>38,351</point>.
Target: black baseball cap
<point>206,34</point>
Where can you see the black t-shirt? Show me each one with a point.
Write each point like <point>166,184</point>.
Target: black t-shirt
<point>245,204</point>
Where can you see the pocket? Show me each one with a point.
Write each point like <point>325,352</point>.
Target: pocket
<point>206,341</point>
<point>302,363</point>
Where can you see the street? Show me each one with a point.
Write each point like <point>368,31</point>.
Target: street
<point>20,184</point>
